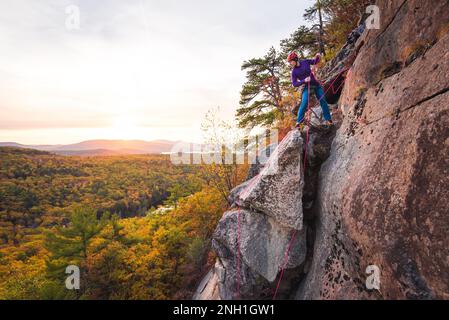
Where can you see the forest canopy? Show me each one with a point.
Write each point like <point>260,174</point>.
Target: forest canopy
<point>114,217</point>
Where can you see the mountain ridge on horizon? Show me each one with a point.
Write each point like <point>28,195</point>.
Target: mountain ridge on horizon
<point>102,147</point>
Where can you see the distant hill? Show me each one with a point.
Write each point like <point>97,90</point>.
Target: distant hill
<point>8,150</point>
<point>88,153</point>
<point>102,147</point>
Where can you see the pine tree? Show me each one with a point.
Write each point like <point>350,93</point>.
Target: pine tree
<point>71,245</point>
<point>302,41</point>
<point>261,95</point>
<point>316,11</point>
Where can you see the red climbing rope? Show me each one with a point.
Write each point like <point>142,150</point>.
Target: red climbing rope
<point>334,91</point>
<point>238,254</point>
<point>284,266</point>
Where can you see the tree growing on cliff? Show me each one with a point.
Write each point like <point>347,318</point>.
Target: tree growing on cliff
<point>267,97</point>
<point>316,11</point>
<point>261,95</point>
<point>303,41</point>
<point>335,19</point>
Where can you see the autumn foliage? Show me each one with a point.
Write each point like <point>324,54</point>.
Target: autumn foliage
<point>114,217</point>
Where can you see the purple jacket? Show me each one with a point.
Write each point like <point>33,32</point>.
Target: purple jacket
<point>302,71</point>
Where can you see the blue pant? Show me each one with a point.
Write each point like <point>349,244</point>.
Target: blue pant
<point>319,93</point>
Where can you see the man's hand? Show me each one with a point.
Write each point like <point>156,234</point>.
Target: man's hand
<point>318,56</point>
<point>306,80</point>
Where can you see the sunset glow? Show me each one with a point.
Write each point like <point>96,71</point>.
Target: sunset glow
<point>136,70</point>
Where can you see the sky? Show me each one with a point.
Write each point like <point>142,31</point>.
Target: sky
<point>137,69</point>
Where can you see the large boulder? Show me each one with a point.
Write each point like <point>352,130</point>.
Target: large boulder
<point>233,282</point>
<point>263,242</point>
<point>277,189</point>
<point>270,228</point>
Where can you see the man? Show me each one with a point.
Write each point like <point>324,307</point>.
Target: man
<point>302,76</point>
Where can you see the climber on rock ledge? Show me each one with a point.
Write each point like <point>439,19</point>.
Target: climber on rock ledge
<point>302,75</point>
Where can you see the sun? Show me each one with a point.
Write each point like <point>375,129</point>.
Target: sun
<point>126,128</point>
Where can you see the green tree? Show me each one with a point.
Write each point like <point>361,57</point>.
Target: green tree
<point>335,19</point>
<point>312,13</point>
<point>303,41</point>
<point>261,95</point>
<point>72,244</point>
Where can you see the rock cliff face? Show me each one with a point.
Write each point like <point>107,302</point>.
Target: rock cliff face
<point>374,191</point>
<point>382,193</point>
